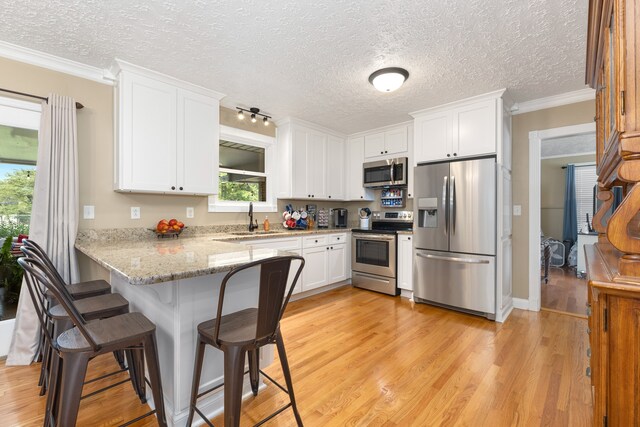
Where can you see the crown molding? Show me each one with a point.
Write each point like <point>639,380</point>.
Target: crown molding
<point>51,62</point>
<point>462,102</point>
<point>381,129</point>
<point>295,121</point>
<point>586,94</point>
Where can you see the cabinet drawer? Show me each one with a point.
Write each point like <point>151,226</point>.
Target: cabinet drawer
<point>313,241</point>
<point>337,238</point>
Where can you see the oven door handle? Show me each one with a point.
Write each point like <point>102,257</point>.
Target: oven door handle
<point>367,236</point>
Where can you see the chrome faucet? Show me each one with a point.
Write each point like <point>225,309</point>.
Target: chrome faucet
<point>252,226</point>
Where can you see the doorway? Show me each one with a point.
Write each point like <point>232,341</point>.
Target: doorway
<point>562,146</point>
<point>19,125</point>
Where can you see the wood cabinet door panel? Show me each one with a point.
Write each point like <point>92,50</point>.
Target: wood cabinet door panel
<point>432,137</point>
<point>315,268</point>
<point>395,141</point>
<point>474,129</point>
<point>405,262</point>
<point>299,187</point>
<point>335,168</point>
<point>374,145</point>
<point>337,266</point>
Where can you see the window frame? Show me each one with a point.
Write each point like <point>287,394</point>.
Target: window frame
<point>240,136</point>
<point>588,194</point>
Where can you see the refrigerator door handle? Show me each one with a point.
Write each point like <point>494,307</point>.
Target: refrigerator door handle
<point>454,259</point>
<point>445,205</point>
<point>452,195</point>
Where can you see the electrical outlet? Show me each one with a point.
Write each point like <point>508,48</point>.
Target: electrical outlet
<point>89,212</point>
<point>135,212</point>
<point>517,210</point>
<point>190,212</point>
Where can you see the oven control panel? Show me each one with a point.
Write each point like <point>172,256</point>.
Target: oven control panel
<point>395,216</point>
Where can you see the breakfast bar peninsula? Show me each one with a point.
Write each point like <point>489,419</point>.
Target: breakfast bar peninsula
<point>176,284</point>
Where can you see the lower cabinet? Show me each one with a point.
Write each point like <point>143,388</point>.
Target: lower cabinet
<point>315,273</point>
<point>405,262</point>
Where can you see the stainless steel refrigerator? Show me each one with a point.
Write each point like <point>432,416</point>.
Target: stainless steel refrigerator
<point>455,234</point>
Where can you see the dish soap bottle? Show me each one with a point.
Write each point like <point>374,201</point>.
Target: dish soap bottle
<point>265,225</point>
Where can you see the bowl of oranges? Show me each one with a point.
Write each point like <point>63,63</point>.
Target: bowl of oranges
<point>170,228</point>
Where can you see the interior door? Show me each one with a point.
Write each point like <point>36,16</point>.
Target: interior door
<point>472,221</point>
<point>431,230</point>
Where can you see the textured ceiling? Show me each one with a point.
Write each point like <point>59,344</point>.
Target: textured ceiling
<point>569,145</point>
<point>311,59</point>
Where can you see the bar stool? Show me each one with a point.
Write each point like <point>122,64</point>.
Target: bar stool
<point>245,331</point>
<point>73,348</point>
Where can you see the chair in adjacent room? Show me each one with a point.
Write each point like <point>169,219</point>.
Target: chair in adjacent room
<point>74,348</point>
<point>244,332</point>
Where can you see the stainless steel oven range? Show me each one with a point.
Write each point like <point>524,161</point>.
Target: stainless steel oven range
<point>374,251</point>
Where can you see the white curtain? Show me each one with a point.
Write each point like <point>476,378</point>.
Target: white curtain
<point>54,215</point>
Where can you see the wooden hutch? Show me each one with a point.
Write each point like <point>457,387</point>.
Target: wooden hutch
<point>613,264</point>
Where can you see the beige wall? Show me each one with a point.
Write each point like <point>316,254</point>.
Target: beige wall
<point>95,152</point>
<point>552,187</point>
<point>566,115</point>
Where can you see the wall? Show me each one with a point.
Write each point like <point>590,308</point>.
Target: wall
<point>95,152</point>
<point>552,188</point>
<point>566,115</point>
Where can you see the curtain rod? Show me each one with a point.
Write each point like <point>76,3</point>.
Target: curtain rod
<point>79,106</point>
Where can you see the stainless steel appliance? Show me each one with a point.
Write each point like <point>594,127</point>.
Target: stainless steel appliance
<point>374,251</point>
<point>454,235</point>
<point>385,173</point>
<point>340,216</point>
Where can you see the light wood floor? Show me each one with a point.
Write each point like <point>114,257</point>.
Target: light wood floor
<point>363,359</point>
<point>565,292</point>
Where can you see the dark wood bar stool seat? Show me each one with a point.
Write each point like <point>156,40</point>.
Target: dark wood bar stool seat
<point>242,333</point>
<point>98,307</point>
<point>74,348</point>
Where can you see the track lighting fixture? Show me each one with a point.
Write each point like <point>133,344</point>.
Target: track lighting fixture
<point>254,113</point>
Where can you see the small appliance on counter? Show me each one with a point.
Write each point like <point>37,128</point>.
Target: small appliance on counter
<point>340,216</point>
<point>364,214</point>
<point>323,218</point>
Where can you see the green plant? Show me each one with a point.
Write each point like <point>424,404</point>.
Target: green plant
<point>12,228</point>
<point>10,273</point>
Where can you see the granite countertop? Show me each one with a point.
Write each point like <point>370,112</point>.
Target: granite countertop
<point>147,260</point>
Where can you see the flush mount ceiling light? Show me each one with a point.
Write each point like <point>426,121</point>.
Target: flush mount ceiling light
<point>388,79</point>
<point>254,112</point>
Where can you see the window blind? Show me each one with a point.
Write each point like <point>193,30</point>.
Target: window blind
<point>586,178</point>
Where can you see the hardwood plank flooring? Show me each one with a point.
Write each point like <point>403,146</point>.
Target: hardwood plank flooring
<point>360,358</point>
<point>564,293</point>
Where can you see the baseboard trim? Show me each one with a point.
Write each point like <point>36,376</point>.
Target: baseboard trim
<point>521,303</point>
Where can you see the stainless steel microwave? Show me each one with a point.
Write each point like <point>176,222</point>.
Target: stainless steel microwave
<point>385,173</point>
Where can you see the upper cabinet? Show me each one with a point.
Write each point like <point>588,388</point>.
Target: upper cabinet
<point>310,162</point>
<point>355,158</point>
<point>465,128</point>
<point>386,143</point>
<point>167,134</point>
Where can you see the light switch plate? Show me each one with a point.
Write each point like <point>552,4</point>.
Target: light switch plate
<point>517,210</point>
<point>190,212</point>
<point>89,212</point>
<point>135,212</point>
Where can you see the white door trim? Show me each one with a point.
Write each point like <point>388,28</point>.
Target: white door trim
<point>535,144</point>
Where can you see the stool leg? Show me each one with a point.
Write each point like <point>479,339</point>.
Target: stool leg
<point>282,355</point>
<point>54,388</point>
<point>197,372</point>
<point>119,356</point>
<point>233,379</point>
<point>151,352</point>
<point>254,370</point>
<point>134,374</point>
<point>74,369</point>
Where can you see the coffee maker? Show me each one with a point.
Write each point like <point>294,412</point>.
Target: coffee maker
<point>340,216</point>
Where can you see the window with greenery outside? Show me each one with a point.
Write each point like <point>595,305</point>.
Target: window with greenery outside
<point>242,174</point>
<point>18,155</point>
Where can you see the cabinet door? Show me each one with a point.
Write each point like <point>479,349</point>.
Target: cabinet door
<point>335,168</point>
<point>405,262</point>
<point>474,129</point>
<point>337,263</point>
<point>316,165</point>
<point>197,144</point>
<point>432,139</point>
<point>299,167</point>
<point>395,141</point>
<point>147,146</point>
<point>374,145</point>
<point>314,274</point>
<point>355,159</point>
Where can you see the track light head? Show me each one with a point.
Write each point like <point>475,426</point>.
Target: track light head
<point>265,121</point>
<point>253,117</point>
<point>240,115</point>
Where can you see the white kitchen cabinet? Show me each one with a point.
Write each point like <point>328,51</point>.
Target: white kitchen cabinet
<point>337,263</point>
<point>325,260</point>
<point>355,159</point>
<point>310,162</point>
<point>405,262</point>
<point>386,143</point>
<point>167,134</point>
<point>335,168</point>
<point>315,273</point>
<point>466,128</point>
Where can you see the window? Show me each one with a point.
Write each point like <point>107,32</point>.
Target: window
<point>19,123</point>
<point>244,172</point>
<point>586,178</point>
